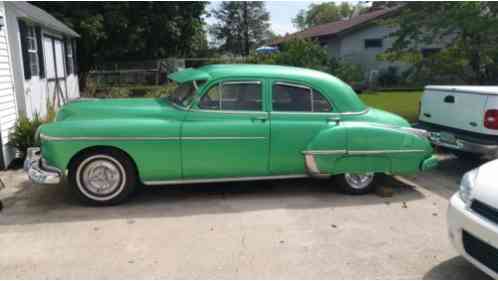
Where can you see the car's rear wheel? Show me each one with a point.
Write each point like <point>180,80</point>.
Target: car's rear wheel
<point>357,184</point>
<point>105,177</point>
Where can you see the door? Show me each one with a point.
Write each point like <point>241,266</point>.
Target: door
<point>298,114</point>
<point>53,50</point>
<point>226,134</point>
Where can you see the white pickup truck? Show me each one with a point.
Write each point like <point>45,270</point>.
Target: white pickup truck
<point>462,119</point>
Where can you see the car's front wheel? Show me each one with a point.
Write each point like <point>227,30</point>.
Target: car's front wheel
<point>357,184</point>
<point>105,177</point>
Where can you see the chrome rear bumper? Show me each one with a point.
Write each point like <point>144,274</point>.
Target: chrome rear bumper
<point>35,170</point>
<point>463,145</point>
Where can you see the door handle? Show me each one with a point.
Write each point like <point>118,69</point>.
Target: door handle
<point>336,120</point>
<point>449,99</point>
<point>260,118</point>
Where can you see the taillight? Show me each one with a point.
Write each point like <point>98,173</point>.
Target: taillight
<point>491,119</point>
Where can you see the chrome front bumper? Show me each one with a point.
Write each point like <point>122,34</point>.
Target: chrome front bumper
<point>464,145</point>
<point>36,171</point>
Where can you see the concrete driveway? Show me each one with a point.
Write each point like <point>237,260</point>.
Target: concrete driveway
<point>273,229</point>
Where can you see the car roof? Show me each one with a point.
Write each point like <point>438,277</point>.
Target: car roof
<point>339,92</point>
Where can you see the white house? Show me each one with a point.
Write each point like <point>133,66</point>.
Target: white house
<point>37,66</point>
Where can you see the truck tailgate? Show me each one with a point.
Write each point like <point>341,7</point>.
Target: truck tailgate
<point>452,108</point>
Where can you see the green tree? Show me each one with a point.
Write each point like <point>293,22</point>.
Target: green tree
<point>240,26</point>
<point>131,30</point>
<point>322,13</point>
<point>468,32</point>
<point>296,52</point>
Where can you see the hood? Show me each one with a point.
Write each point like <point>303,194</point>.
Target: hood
<point>485,187</point>
<point>113,108</point>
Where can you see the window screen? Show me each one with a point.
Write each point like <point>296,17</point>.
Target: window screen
<point>32,50</point>
<point>238,96</point>
<point>373,43</point>
<point>288,97</point>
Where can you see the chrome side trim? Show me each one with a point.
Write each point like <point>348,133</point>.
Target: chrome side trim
<point>228,179</point>
<point>359,152</point>
<point>372,152</point>
<point>224,138</point>
<point>325,152</point>
<point>52,138</point>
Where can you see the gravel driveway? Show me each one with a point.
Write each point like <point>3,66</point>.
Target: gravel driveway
<point>272,229</point>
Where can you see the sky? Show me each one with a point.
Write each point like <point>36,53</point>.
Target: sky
<point>281,14</point>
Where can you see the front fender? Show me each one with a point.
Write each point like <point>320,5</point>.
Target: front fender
<point>152,143</point>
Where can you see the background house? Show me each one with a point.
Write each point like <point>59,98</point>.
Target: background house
<point>37,66</point>
<point>358,40</point>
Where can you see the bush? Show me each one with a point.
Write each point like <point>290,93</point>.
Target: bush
<point>139,91</point>
<point>23,135</point>
<point>348,72</point>
<point>296,52</point>
<point>389,77</point>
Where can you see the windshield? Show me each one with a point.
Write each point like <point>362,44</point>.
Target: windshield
<point>183,95</point>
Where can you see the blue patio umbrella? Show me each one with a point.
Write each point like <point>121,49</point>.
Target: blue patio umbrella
<point>266,50</point>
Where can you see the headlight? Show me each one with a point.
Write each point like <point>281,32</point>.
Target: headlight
<point>467,184</point>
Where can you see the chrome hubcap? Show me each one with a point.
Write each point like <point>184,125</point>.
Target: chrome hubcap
<point>100,177</point>
<point>359,181</point>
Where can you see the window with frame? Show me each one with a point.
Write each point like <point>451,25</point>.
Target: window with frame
<point>233,96</point>
<point>69,57</point>
<point>298,98</point>
<point>32,50</point>
<point>373,43</point>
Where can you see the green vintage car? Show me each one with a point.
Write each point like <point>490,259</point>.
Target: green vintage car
<point>227,123</point>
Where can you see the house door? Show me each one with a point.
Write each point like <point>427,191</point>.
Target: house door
<point>55,70</point>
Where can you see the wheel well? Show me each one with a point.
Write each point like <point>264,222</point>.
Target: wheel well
<point>102,148</point>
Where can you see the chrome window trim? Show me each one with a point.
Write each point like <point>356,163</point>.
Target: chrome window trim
<point>233,82</point>
<point>220,93</point>
<point>293,85</point>
<point>230,111</point>
<point>331,114</point>
<point>228,179</point>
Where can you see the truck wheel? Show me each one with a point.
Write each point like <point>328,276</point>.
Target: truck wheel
<point>356,184</point>
<point>104,177</point>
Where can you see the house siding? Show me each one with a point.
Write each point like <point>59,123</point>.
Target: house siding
<point>350,47</point>
<point>8,106</point>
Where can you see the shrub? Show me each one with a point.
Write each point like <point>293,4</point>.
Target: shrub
<point>296,52</point>
<point>348,72</point>
<point>23,135</point>
<point>389,77</point>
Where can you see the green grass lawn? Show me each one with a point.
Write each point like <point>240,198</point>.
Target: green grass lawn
<point>401,103</point>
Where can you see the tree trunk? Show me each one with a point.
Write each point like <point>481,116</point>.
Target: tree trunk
<point>246,28</point>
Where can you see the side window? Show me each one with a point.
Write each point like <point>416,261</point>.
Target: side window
<point>242,96</point>
<point>212,99</point>
<point>289,97</point>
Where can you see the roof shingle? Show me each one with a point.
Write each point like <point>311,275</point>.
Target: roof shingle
<point>336,27</point>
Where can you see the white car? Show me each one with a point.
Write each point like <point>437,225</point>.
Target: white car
<point>473,218</point>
